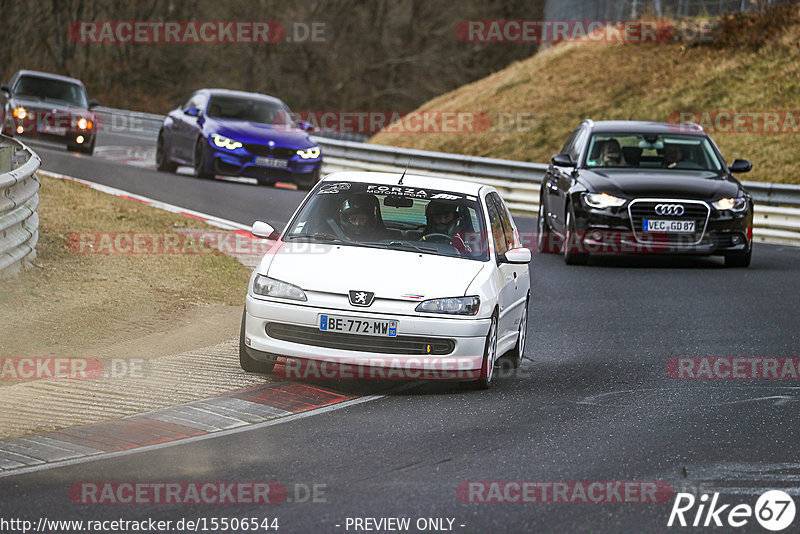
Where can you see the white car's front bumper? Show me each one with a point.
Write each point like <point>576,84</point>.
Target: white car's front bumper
<point>467,334</point>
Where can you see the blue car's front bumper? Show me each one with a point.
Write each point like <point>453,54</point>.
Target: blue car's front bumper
<point>264,163</point>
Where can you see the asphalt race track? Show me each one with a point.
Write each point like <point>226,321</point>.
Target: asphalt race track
<point>593,402</point>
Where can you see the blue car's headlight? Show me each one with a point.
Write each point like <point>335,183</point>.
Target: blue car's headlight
<point>223,142</point>
<point>309,153</point>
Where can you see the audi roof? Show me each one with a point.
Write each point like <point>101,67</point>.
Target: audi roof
<point>644,127</point>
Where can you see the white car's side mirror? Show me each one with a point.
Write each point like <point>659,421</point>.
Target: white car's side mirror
<point>516,255</point>
<point>262,230</point>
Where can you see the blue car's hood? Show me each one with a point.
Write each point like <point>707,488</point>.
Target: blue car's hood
<point>253,132</point>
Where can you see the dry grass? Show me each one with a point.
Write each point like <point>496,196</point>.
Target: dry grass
<point>71,304</point>
<point>571,81</point>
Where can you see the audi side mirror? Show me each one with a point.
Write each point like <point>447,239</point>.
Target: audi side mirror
<point>6,89</point>
<point>262,230</point>
<point>562,160</point>
<point>93,103</point>
<point>517,256</point>
<point>192,112</point>
<point>740,165</point>
<point>305,126</point>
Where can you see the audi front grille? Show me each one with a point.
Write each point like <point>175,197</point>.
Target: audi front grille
<point>693,210</point>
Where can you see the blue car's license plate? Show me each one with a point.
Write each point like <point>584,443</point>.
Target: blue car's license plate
<point>271,162</point>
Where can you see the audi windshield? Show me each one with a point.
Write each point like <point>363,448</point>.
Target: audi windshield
<point>650,151</point>
<point>404,218</point>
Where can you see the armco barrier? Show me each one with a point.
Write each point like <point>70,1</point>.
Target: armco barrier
<point>19,222</point>
<point>777,205</point>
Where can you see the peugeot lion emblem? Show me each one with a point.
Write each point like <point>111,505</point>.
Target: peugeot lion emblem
<point>361,298</point>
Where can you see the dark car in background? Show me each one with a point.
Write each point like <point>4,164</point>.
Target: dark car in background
<point>644,187</point>
<point>49,106</point>
<point>236,133</point>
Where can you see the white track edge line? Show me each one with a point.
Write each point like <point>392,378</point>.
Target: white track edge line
<point>192,439</point>
<point>210,219</point>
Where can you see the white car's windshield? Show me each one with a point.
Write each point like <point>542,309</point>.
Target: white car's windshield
<point>415,219</point>
<point>688,152</point>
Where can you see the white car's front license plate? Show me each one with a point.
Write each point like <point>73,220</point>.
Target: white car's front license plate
<point>667,226</point>
<point>355,325</point>
<point>271,162</point>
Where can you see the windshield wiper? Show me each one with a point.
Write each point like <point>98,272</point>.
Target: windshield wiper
<point>403,244</point>
<point>320,236</point>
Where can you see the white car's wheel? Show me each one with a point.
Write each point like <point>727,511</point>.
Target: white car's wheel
<point>246,361</point>
<point>517,353</point>
<point>489,357</point>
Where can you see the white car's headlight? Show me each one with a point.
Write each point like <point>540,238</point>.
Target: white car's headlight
<point>451,306</point>
<point>309,153</point>
<point>269,287</point>
<point>223,142</point>
<point>602,200</point>
<point>732,204</point>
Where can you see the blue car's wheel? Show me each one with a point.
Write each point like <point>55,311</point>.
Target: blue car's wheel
<point>200,160</point>
<point>163,163</point>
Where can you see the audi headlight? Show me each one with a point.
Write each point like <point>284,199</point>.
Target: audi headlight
<point>19,112</point>
<point>732,204</point>
<point>223,142</point>
<point>309,153</point>
<point>84,124</point>
<point>602,200</point>
<point>269,287</point>
<point>451,306</point>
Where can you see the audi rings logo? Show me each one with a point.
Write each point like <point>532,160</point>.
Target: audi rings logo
<point>669,209</point>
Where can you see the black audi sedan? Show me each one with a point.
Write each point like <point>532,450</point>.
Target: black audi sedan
<point>51,106</point>
<point>633,187</point>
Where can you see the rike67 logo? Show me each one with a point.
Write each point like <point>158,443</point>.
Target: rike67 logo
<point>774,510</point>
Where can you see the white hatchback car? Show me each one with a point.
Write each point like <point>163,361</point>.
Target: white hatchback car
<point>421,277</point>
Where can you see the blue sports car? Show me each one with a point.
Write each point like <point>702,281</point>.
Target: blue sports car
<point>234,133</point>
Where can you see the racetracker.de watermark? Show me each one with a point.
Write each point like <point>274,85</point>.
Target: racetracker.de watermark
<point>232,243</point>
<point>369,122</point>
<point>197,32</point>
<point>733,368</point>
<point>553,31</point>
<point>741,122</point>
<point>68,368</point>
<point>574,492</point>
<point>366,368</point>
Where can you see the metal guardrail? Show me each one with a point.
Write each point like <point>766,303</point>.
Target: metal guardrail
<point>19,222</point>
<point>777,205</point>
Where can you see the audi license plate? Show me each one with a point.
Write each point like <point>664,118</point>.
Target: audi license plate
<point>272,162</point>
<point>354,325</point>
<point>668,227</point>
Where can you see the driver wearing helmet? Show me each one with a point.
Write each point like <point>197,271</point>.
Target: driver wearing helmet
<point>442,218</point>
<point>358,217</point>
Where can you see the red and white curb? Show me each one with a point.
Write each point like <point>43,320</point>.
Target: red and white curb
<point>240,411</point>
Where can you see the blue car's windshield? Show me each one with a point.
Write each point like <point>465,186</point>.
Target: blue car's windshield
<point>250,109</point>
<point>52,90</point>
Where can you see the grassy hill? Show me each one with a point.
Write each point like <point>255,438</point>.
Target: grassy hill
<point>752,65</point>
